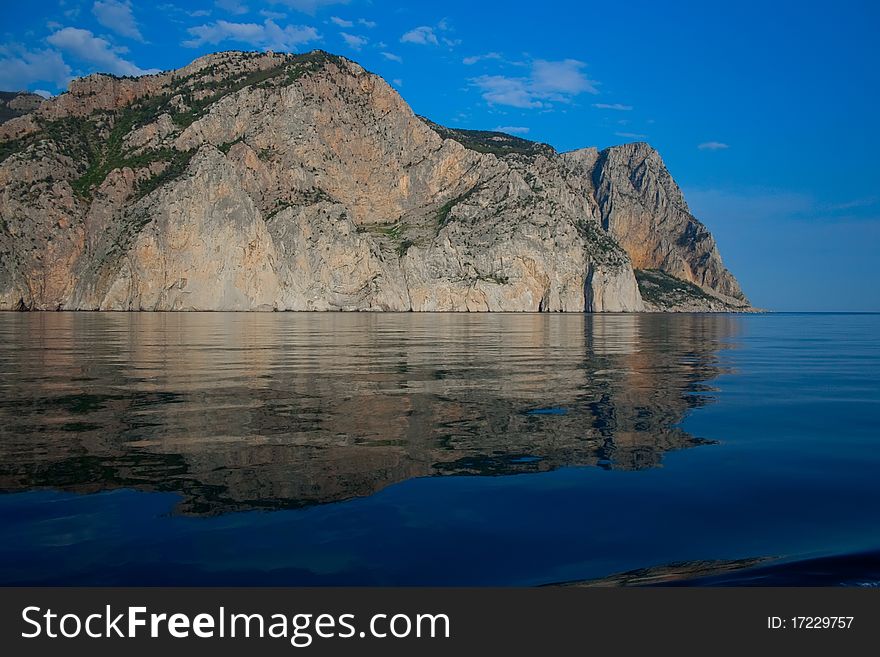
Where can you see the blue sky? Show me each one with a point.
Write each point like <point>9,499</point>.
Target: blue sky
<point>765,112</point>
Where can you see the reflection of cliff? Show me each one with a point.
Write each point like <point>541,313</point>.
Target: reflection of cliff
<point>270,411</point>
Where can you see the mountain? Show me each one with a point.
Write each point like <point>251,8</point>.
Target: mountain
<point>265,181</point>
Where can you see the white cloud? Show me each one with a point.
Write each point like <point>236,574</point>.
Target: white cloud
<point>428,36</point>
<point>341,22</point>
<point>713,146</point>
<point>97,51</point>
<point>613,106</point>
<point>562,78</point>
<point>43,93</point>
<point>309,6</point>
<point>19,68</point>
<point>393,57</point>
<point>548,82</point>
<point>398,82</point>
<point>853,204</point>
<point>175,14</point>
<point>423,35</point>
<point>501,90</point>
<point>473,59</point>
<point>274,15</point>
<point>232,6</point>
<point>116,15</point>
<point>353,40</point>
<point>269,35</point>
<point>513,129</point>
<point>366,23</point>
<point>631,135</point>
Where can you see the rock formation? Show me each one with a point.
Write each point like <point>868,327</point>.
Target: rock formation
<point>263,181</point>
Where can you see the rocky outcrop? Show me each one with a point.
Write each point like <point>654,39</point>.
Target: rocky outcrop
<point>645,211</point>
<point>253,181</point>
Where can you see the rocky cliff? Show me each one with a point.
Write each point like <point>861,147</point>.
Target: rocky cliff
<point>263,181</point>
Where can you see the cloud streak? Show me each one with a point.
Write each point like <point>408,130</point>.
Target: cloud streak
<point>548,82</point>
<point>473,59</point>
<point>232,6</point>
<point>268,35</point>
<point>425,35</point>
<point>353,40</point>
<point>613,106</point>
<point>84,45</point>
<point>713,146</point>
<point>309,6</point>
<point>116,15</point>
<point>20,68</point>
<point>422,35</point>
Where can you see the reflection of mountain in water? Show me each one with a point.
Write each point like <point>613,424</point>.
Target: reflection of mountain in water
<point>279,410</point>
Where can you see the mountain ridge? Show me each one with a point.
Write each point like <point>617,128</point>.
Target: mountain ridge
<point>266,181</point>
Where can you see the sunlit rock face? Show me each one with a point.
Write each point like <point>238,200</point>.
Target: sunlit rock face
<point>263,181</point>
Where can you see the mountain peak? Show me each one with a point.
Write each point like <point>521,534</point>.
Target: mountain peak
<point>302,182</point>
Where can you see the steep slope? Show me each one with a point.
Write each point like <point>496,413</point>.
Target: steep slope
<point>261,181</point>
<point>645,211</point>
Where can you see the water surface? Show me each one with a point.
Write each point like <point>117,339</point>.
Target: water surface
<point>442,449</point>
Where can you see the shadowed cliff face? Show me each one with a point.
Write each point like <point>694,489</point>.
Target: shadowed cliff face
<point>255,181</point>
<point>271,411</point>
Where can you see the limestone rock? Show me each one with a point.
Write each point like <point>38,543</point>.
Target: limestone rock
<point>645,211</point>
<point>263,181</point>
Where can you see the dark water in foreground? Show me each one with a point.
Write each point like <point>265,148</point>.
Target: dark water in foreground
<point>401,449</point>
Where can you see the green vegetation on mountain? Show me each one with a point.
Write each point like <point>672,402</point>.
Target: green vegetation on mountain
<point>304,182</point>
<point>663,289</point>
<point>488,141</point>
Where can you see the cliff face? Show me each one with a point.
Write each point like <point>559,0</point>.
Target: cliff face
<point>645,211</point>
<point>252,181</point>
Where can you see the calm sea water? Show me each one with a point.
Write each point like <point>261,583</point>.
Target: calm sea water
<point>403,449</point>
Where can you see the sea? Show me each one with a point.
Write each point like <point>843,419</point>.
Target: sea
<point>420,449</point>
